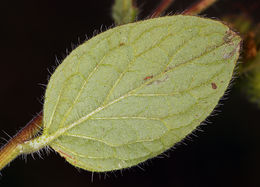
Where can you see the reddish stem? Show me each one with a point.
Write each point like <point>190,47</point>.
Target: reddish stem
<point>30,130</point>
<point>10,151</point>
<point>161,8</point>
<point>198,7</point>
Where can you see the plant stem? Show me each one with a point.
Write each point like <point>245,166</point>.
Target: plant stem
<point>161,8</point>
<point>199,7</point>
<point>13,148</point>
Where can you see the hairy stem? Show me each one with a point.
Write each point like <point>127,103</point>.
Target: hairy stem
<point>13,148</point>
<point>199,7</point>
<point>161,8</point>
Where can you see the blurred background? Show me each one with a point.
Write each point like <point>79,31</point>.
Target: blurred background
<point>35,33</point>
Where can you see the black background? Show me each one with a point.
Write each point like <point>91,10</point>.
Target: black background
<point>226,153</point>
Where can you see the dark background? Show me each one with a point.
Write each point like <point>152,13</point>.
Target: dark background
<point>226,153</point>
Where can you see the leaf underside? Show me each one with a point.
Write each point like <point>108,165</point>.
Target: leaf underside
<point>134,91</point>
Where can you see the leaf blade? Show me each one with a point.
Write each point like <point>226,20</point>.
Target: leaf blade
<point>123,97</point>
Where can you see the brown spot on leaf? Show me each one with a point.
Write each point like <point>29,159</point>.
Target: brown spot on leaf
<point>121,44</point>
<point>148,77</point>
<point>228,39</point>
<point>228,36</point>
<point>213,85</point>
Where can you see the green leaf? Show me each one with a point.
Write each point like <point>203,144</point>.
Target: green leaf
<point>124,12</point>
<point>134,91</point>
